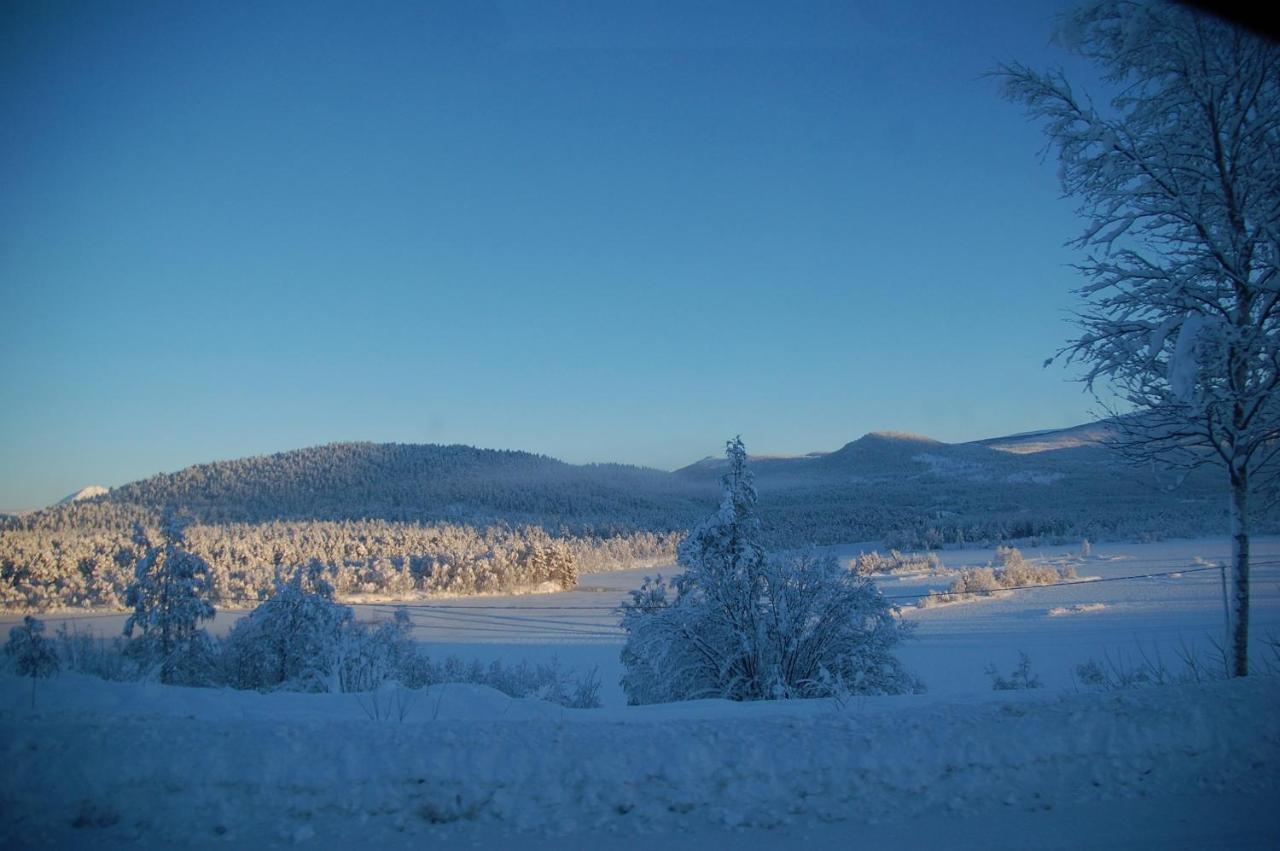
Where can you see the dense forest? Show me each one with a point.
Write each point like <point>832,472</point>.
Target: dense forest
<point>45,569</point>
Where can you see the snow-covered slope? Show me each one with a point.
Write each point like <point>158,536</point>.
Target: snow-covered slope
<point>105,762</point>
<point>1088,434</point>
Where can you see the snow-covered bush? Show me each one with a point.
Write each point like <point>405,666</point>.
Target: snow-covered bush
<point>1020,678</point>
<point>33,655</point>
<point>1015,572</point>
<point>1024,573</point>
<point>872,563</point>
<point>1006,556</point>
<point>738,625</point>
<point>169,597</point>
<point>87,653</point>
<point>347,656</point>
<point>546,681</point>
<point>292,640</point>
<point>1120,672</point>
<point>366,656</point>
<point>302,640</point>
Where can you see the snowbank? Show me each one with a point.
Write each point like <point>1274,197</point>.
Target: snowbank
<point>112,762</point>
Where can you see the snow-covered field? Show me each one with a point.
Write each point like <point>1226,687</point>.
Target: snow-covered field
<point>962,766</point>
<point>1058,628</point>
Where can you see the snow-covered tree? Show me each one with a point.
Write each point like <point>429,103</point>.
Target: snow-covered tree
<point>33,654</point>
<point>1179,179</point>
<point>291,640</point>
<point>737,624</point>
<point>169,597</point>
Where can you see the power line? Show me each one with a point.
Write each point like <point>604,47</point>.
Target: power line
<point>1094,581</point>
<point>1149,575</point>
<point>585,620</point>
<point>428,606</point>
<point>456,620</point>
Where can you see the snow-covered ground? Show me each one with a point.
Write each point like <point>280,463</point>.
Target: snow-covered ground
<point>962,766</point>
<point>110,764</point>
<point>1123,620</point>
<point>1058,628</point>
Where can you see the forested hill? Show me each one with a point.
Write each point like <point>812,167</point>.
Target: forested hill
<point>404,482</point>
<point>407,519</point>
<point>906,490</point>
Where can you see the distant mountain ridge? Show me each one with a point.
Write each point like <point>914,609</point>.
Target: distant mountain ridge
<point>887,485</point>
<point>1087,434</point>
<point>895,453</point>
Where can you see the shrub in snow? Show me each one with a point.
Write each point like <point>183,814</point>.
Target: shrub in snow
<point>33,655</point>
<point>1006,556</point>
<point>738,625</point>
<point>1024,573</point>
<point>546,681</point>
<point>1014,572</point>
<point>365,656</point>
<point>1020,678</point>
<point>301,640</point>
<point>169,599</point>
<point>87,653</point>
<point>387,702</point>
<point>1121,672</point>
<point>290,641</point>
<point>869,564</point>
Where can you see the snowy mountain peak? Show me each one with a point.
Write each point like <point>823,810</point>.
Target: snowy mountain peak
<point>84,493</point>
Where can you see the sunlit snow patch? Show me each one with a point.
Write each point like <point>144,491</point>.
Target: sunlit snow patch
<point>1079,609</point>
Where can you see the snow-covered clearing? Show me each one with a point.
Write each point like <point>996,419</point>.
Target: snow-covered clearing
<point>962,766</point>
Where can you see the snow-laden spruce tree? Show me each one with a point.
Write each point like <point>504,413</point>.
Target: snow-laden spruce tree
<point>33,654</point>
<point>169,596</point>
<point>291,640</point>
<point>1179,179</point>
<point>738,624</point>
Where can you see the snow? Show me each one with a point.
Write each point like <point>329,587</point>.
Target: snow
<point>251,769</point>
<point>167,765</point>
<point>1032,477</point>
<point>88,492</point>
<point>1077,609</point>
<point>952,644</point>
<point>1184,366</point>
<point>1032,442</point>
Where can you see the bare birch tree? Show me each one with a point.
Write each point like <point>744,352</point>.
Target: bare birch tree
<point>1179,179</point>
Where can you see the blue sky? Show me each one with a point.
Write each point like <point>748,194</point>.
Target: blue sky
<point>601,232</point>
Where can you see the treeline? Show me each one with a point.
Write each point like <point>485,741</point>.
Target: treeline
<point>83,555</point>
<point>43,568</point>
<point>931,512</point>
